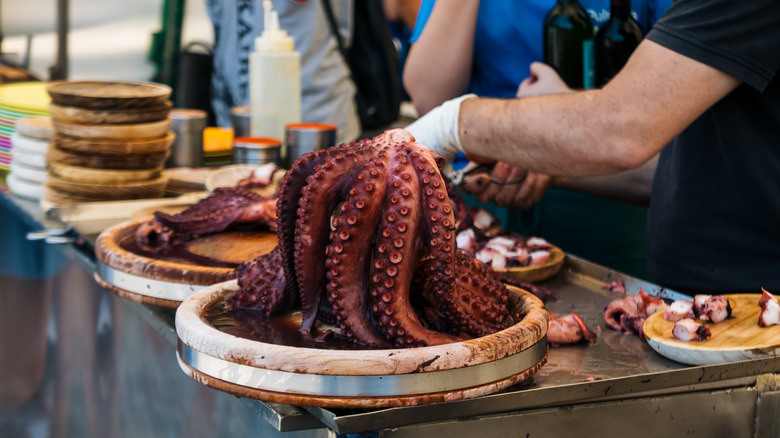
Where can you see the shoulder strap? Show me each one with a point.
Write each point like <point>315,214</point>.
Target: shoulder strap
<point>334,29</point>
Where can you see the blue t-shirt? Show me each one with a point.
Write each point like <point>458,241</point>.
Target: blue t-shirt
<point>508,37</point>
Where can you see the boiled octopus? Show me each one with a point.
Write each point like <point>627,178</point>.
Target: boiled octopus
<point>770,309</point>
<point>630,313</point>
<point>225,207</point>
<point>568,329</point>
<point>366,236</point>
<point>688,329</point>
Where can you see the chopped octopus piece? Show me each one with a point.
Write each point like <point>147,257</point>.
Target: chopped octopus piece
<point>260,176</point>
<point>629,314</point>
<point>678,310</point>
<point>770,309</point>
<point>569,329</point>
<point>711,308</point>
<point>482,219</point>
<point>688,329</point>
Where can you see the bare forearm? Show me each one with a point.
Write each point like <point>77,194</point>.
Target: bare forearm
<point>439,63</point>
<point>631,186</point>
<point>596,132</point>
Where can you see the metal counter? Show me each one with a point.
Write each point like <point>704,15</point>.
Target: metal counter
<point>618,384</point>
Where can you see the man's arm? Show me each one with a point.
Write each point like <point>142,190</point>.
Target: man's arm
<point>596,132</point>
<point>438,66</point>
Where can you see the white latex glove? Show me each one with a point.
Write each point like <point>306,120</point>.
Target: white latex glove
<point>438,130</point>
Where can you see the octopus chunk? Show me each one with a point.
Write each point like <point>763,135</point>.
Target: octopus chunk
<point>678,310</point>
<point>770,309</point>
<point>569,329</point>
<point>688,329</point>
<point>711,308</point>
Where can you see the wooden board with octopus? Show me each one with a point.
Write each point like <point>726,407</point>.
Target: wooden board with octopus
<point>249,355</point>
<point>167,279</point>
<point>737,338</point>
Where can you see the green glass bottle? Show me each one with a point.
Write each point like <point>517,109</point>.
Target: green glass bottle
<point>615,41</point>
<point>568,43</point>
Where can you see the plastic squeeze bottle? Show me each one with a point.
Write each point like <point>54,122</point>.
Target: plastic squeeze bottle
<point>275,80</point>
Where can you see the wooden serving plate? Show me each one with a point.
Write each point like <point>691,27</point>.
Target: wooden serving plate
<point>107,161</point>
<point>533,274</point>
<point>135,131</point>
<point>89,175</point>
<point>153,188</point>
<point>166,280</point>
<point>738,338</point>
<point>114,147</point>
<point>358,378</point>
<point>106,94</point>
<point>72,114</point>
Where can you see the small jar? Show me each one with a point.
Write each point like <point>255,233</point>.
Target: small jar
<point>256,150</point>
<point>240,119</point>
<point>187,147</point>
<point>302,138</point>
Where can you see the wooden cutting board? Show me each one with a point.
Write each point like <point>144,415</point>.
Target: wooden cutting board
<point>167,279</point>
<point>738,338</point>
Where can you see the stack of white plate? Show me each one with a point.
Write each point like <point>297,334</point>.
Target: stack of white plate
<point>30,144</point>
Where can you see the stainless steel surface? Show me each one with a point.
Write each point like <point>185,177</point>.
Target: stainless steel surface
<point>363,386</point>
<point>187,147</point>
<point>726,413</point>
<point>149,287</point>
<point>633,389</point>
<point>617,366</point>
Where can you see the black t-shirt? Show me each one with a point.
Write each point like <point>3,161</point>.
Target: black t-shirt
<point>714,220</point>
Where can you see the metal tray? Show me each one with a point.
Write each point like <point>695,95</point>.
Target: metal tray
<point>617,366</point>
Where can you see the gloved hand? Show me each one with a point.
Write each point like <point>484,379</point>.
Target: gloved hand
<point>438,130</point>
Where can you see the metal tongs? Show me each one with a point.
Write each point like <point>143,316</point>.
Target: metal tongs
<point>459,176</point>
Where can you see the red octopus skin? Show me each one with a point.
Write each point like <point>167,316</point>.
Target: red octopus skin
<point>569,329</point>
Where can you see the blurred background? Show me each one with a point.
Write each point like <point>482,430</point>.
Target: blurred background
<point>107,39</point>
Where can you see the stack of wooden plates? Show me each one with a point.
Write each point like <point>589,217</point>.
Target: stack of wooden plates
<point>111,141</point>
<point>18,101</point>
<point>30,143</point>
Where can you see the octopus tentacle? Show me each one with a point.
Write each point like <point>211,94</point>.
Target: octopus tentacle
<point>477,304</point>
<point>348,262</point>
<point>318,199</point>
<point>397,252</point>
<point>262,287</point>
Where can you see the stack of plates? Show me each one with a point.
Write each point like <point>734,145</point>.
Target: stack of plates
<point>18,101</point>
<point>111,141</point>
<point>29,145</point>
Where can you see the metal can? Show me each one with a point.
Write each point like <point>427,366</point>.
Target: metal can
<point>256,150</point>
<point>187,147</point>
<point>240,119</point>
<point>301,138</point>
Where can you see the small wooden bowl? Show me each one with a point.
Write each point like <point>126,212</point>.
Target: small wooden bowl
<point>89,175</point>
<point>107,161</point>
<point>101,191</point>
<point>534,274</point>
<point>72,114</point>
<point>136,131</point>
<point>106,94</point>
<point>115,147</point>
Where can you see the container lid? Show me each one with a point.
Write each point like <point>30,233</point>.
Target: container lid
<point>256,143</point>
<point>311,127</point>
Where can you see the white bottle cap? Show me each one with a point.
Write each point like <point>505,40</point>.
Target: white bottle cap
<point>273,39</point>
